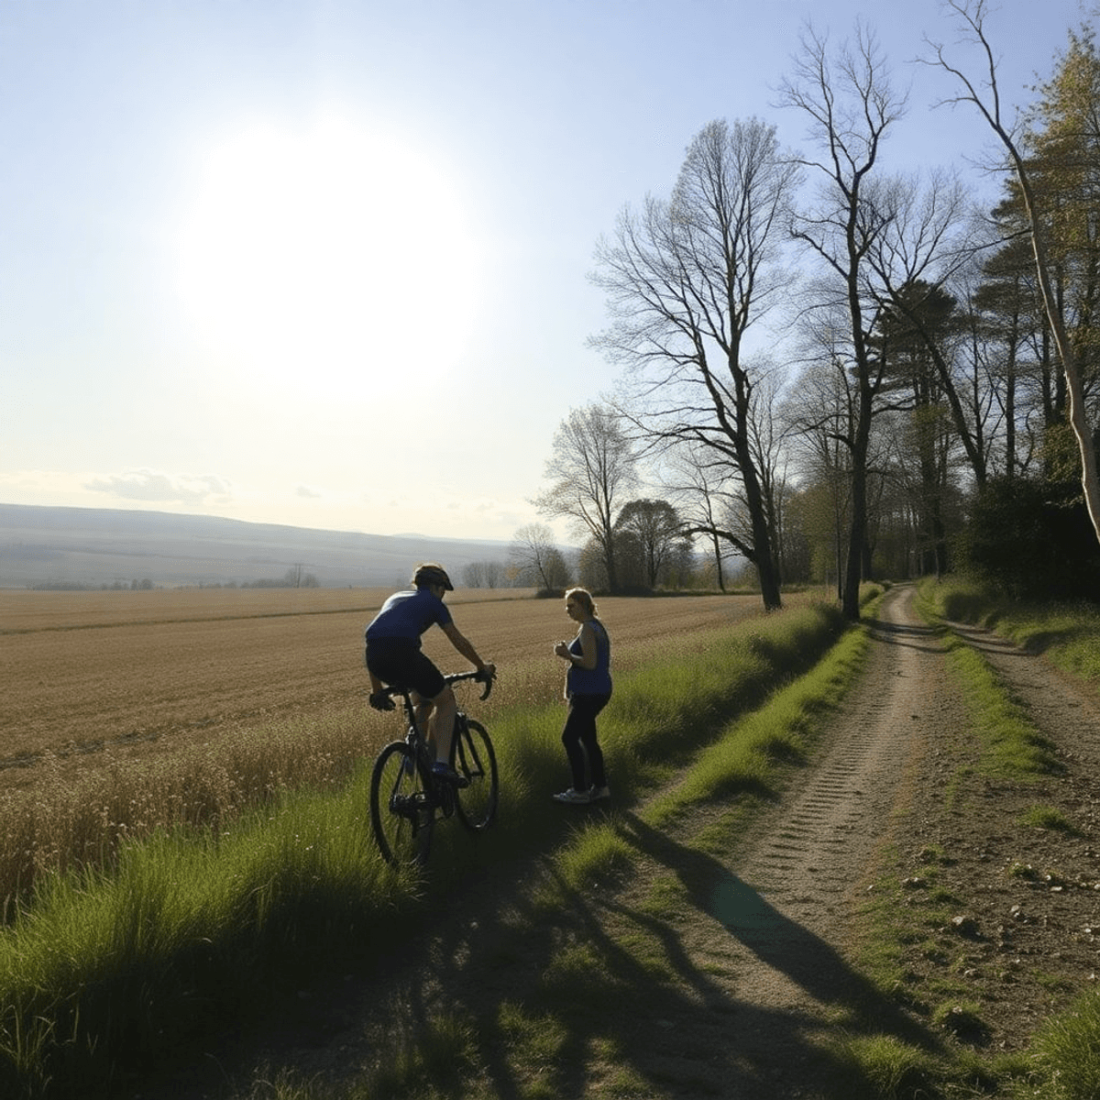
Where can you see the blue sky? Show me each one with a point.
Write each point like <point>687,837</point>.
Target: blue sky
<point>325,263</point>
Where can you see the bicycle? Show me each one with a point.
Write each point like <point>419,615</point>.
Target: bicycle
<point>406,797</point>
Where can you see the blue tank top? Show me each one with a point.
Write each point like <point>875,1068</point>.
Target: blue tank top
<point>591,681</point>
<point>407,615</point>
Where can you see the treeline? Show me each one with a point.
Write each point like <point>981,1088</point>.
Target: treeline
<point>934,397</point>
<point>294,577</point>
<point>649,550</point>
<point>145,585</point>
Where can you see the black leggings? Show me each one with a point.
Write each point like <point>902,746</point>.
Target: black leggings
<point>579,739</point>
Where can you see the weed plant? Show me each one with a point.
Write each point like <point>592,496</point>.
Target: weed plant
<point>1067,1050</point>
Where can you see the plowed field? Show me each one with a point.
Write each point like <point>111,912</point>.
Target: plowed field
<point>150,672</point>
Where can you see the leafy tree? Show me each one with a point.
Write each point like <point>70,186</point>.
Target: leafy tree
<point>1033,538</point>
<point>911,335</point>
<point>1005,312</point>
<point>658,536</point>
<point>1071,112</point>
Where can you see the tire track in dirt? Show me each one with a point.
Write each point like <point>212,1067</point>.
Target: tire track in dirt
<point>823,839</point>
<point>1056,704</point>
<point>809,863</point>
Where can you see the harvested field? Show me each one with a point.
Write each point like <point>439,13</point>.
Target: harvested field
<point>146,674</point>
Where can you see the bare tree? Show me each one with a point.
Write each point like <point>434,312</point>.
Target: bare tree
<point>537,559</point>
<point>591,468</point>
<point>697,479</point>
<point>483,574</point>
<point>821,407</point>
<point>850,107</point>
<point>685,280</point>
<point>971,14</point>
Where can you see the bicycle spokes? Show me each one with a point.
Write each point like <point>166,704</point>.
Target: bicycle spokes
<point>402,808</point>
<point>406,798</point>
<point>474,758</point>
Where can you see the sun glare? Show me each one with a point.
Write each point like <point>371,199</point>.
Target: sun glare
<point>330,253</point>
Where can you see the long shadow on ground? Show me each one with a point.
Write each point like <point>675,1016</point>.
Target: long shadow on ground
<point>603,994</point>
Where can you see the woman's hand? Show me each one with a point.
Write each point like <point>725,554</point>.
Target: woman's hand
<point>562,650</point>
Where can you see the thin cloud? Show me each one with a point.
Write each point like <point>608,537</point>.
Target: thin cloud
<point>151,486</point>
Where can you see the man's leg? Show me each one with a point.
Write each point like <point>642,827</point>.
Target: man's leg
<point>442,723</point>
<point>423,709</point>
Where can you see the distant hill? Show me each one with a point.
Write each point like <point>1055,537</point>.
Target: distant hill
<point>101,546</point>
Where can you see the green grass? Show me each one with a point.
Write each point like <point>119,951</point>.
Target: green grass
<point>1012,746</point>
<point>1046,817</point>
<point>1067,1052</point>
<point>1068,634</point>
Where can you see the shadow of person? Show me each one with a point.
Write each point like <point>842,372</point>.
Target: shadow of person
<point>777,940</point>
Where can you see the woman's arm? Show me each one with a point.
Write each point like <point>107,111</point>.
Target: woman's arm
<point>587,659</point>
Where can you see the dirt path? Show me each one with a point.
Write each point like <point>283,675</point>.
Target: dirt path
<point>776,921</point>
<point>762,961</point>
<point>898,781</point>
<point>810,865</point>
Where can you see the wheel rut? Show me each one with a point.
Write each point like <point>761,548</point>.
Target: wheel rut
<point>806,869</point>
<point>826,833</point>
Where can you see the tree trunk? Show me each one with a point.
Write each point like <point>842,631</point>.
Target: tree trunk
<point>1090,477</point>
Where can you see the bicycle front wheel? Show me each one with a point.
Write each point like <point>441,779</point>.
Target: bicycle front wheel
<point>402,811</point>
<point>472,756</point>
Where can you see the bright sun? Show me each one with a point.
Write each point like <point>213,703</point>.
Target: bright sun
<point>328,253</point>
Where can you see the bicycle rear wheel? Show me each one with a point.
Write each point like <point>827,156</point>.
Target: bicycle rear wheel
<point>402,811</point>
<point>472,756</point>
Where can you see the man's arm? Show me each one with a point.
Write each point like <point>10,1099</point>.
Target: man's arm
<point>459,641</point>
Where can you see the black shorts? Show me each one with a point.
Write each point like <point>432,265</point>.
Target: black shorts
<point>401,663</point>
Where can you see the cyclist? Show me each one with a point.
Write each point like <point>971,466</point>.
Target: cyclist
<point>394,656</point>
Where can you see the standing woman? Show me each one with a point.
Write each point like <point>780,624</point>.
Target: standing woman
<point>588,689</point>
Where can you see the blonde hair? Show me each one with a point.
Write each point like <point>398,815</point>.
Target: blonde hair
<point>584,598</point>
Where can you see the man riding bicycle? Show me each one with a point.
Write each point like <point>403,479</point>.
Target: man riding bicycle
<point>394,656</point>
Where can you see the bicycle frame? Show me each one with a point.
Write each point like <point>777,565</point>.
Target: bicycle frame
<point>416,737</point>
<point>405,788</point>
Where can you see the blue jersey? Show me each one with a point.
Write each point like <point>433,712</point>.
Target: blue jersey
<point>406,615</point>
<point>591,681</point>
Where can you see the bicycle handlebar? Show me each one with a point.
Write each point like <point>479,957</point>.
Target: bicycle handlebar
<point>453,678</point>
<point>481,677</point>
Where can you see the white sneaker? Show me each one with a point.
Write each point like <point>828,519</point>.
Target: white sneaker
<point>596,793</point>
<point>576,798</point>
